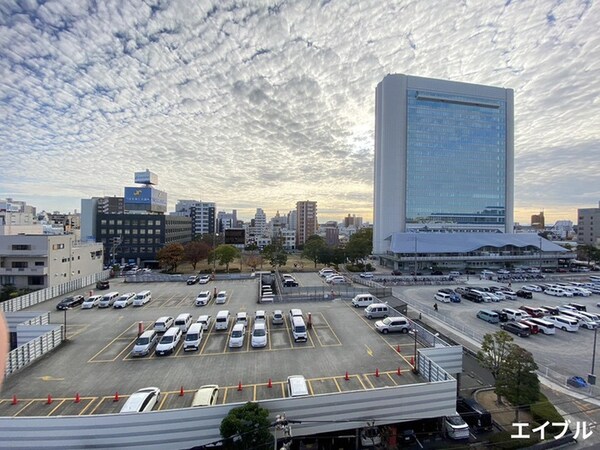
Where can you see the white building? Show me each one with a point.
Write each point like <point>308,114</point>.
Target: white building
<point>41,261</point>
<point>202,213</point>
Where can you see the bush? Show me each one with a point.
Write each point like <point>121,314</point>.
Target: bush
<point>543,411</point>
<point>503,440</point>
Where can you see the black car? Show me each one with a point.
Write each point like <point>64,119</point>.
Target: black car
<point>502,316</point>
<point>192,279</point>
<point>396,272</point>
<point>474,414</point>
<point>70,302</point>
<point>103,285</point>
<point>473,296</point>
<point>516,328</point>
<point>552,310</point>
<point>524,294</point>
<point>437,272</point>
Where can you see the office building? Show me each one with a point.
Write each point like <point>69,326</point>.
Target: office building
<point>443,157</point>
<point>201,213</point>
<point>588,226</point>
<point>537,221</point>
<point>306,221</point>
<point>227,220</point>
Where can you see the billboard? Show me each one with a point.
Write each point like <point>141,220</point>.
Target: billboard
<point>146,177</point>
<point>145,199</point>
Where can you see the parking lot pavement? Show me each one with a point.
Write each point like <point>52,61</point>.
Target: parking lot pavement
<point>95,362</point>
<point>566,353</point>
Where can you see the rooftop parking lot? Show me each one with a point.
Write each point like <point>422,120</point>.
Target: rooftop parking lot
<point>86,374</point>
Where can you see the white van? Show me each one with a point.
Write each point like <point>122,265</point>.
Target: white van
<point>184,321</point>
<point>363,300</point>
<point>168,342</point>
<point>488,316</point>
<point>108,300</point>
<point>564,323</point>
<point>583,321</point>
<point>207,395</point>
<point>545,326</point>
<point>454,273</point>
<point>193,337</point>
<point>377,311</point>
<point>299,329</point>
<point>238,332</point>
<point>222,320</point>
<point>162,324</point>
<point>442,297</point>
<point>514,314</point>
<point>142,298</point>
<point>297,386</point>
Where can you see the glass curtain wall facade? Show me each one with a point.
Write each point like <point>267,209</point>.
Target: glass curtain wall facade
<point>455,159</point>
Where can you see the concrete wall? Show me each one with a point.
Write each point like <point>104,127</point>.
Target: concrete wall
<point>185,428</point>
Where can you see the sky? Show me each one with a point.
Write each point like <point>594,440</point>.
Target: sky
<point>260,104</point>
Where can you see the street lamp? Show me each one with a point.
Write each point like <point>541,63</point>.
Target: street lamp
<point>540,254</point>
<point>415,369</point>
<point>215,235</point>
<point>591,376</point>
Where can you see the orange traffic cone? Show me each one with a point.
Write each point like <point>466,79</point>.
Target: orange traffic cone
<point>77,398</point>
<point>398,348</point>
<point>346,377</point>
<point>49,402</point>
<point>240,386</point>
<point>116,399</point>
<point>399,372</point>
<point>181,392</point>
<point>14,400</point>
<point>377,373</point>
<point>270,384</point>
<point>412,361</point>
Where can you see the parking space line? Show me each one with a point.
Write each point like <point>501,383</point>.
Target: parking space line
<point>109,344</point>
<point>389,374</point>
<point>23,408</point>
<point>366,376</point>
<point>254,393</point>
<point>225,395</point>
<point>92,400</point>
<point>310,387</point>
<point>56,407</point>
<point>332,332</point>
<point>337,385</point>
<point>162,403</point>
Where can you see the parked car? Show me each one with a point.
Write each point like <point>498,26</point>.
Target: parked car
<point>577,382</point>
<point>532,288</point>
<point>124,300</point>
<point>221,297</point>
<point>242,317</point>
<point>192,279</point>
<point>205,320</point>
<point>277,317</point>
<point>70,302</point>
<point>90,302</point>
<point>392,324</point>
<point>366,275</point>
<point>237,335</point>
<point>203,298</point>
<point>142,400</point>
<point>204,279</point>
<point>259,334</point>
<point>524,294</point>
<point>207,395</point>
<point>104,284</point>
<point>516,328</point>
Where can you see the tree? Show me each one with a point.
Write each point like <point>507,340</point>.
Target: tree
<point>170,256</point>
<point>253,261</point>
<point>276,254</point>
<point>312,247</point>
<point>360,244</point>
<point>494,350</point>
<point>195,251</point>
<point>225,254</point>
<point>247,427</point>
<point>517,380</point>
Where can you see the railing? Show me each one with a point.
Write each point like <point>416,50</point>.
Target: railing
<point>33,298</point>
<point>29,352</point>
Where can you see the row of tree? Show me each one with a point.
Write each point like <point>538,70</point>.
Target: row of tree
<point>315,249</point>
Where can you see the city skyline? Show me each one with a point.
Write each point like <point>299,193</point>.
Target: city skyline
<point>266,105</point>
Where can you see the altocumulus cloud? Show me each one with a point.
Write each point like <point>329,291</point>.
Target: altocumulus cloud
<point>263,103</point>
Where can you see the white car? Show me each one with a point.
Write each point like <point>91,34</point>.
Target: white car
<point>366,275</point>
<point>124,300</point>
<point>203,298</point>
<point>260,315</point>
<point>532,288</point>
<point>336,279</point>
<point>221,297</point>
<point>205,320</point>
<point>204,279</point>
<point>237,335</point>
<point>90,302</point>
<point>242,317</point>
<point>142,400</point>
<point>259,334</point>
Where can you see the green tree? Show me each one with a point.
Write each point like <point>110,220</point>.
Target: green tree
<point>312,248</point>
<point>360,245</point>
<point>195,251</point>
<point>247,427</point>
<point>517,380</point>
<point>225,254</point>
<point>170,256</point>
<point>494,350</point>
<point>276,254</point>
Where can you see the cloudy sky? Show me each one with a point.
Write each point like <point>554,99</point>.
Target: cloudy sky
<point>264,103</point>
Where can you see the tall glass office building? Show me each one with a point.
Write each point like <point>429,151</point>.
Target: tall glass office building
<point>443,157</point>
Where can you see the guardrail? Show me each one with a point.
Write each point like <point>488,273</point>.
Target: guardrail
<point>32,350</point>
<point>33,298</point>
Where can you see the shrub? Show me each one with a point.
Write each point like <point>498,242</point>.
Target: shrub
<point>503,440</point>
<point>543,411</point>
